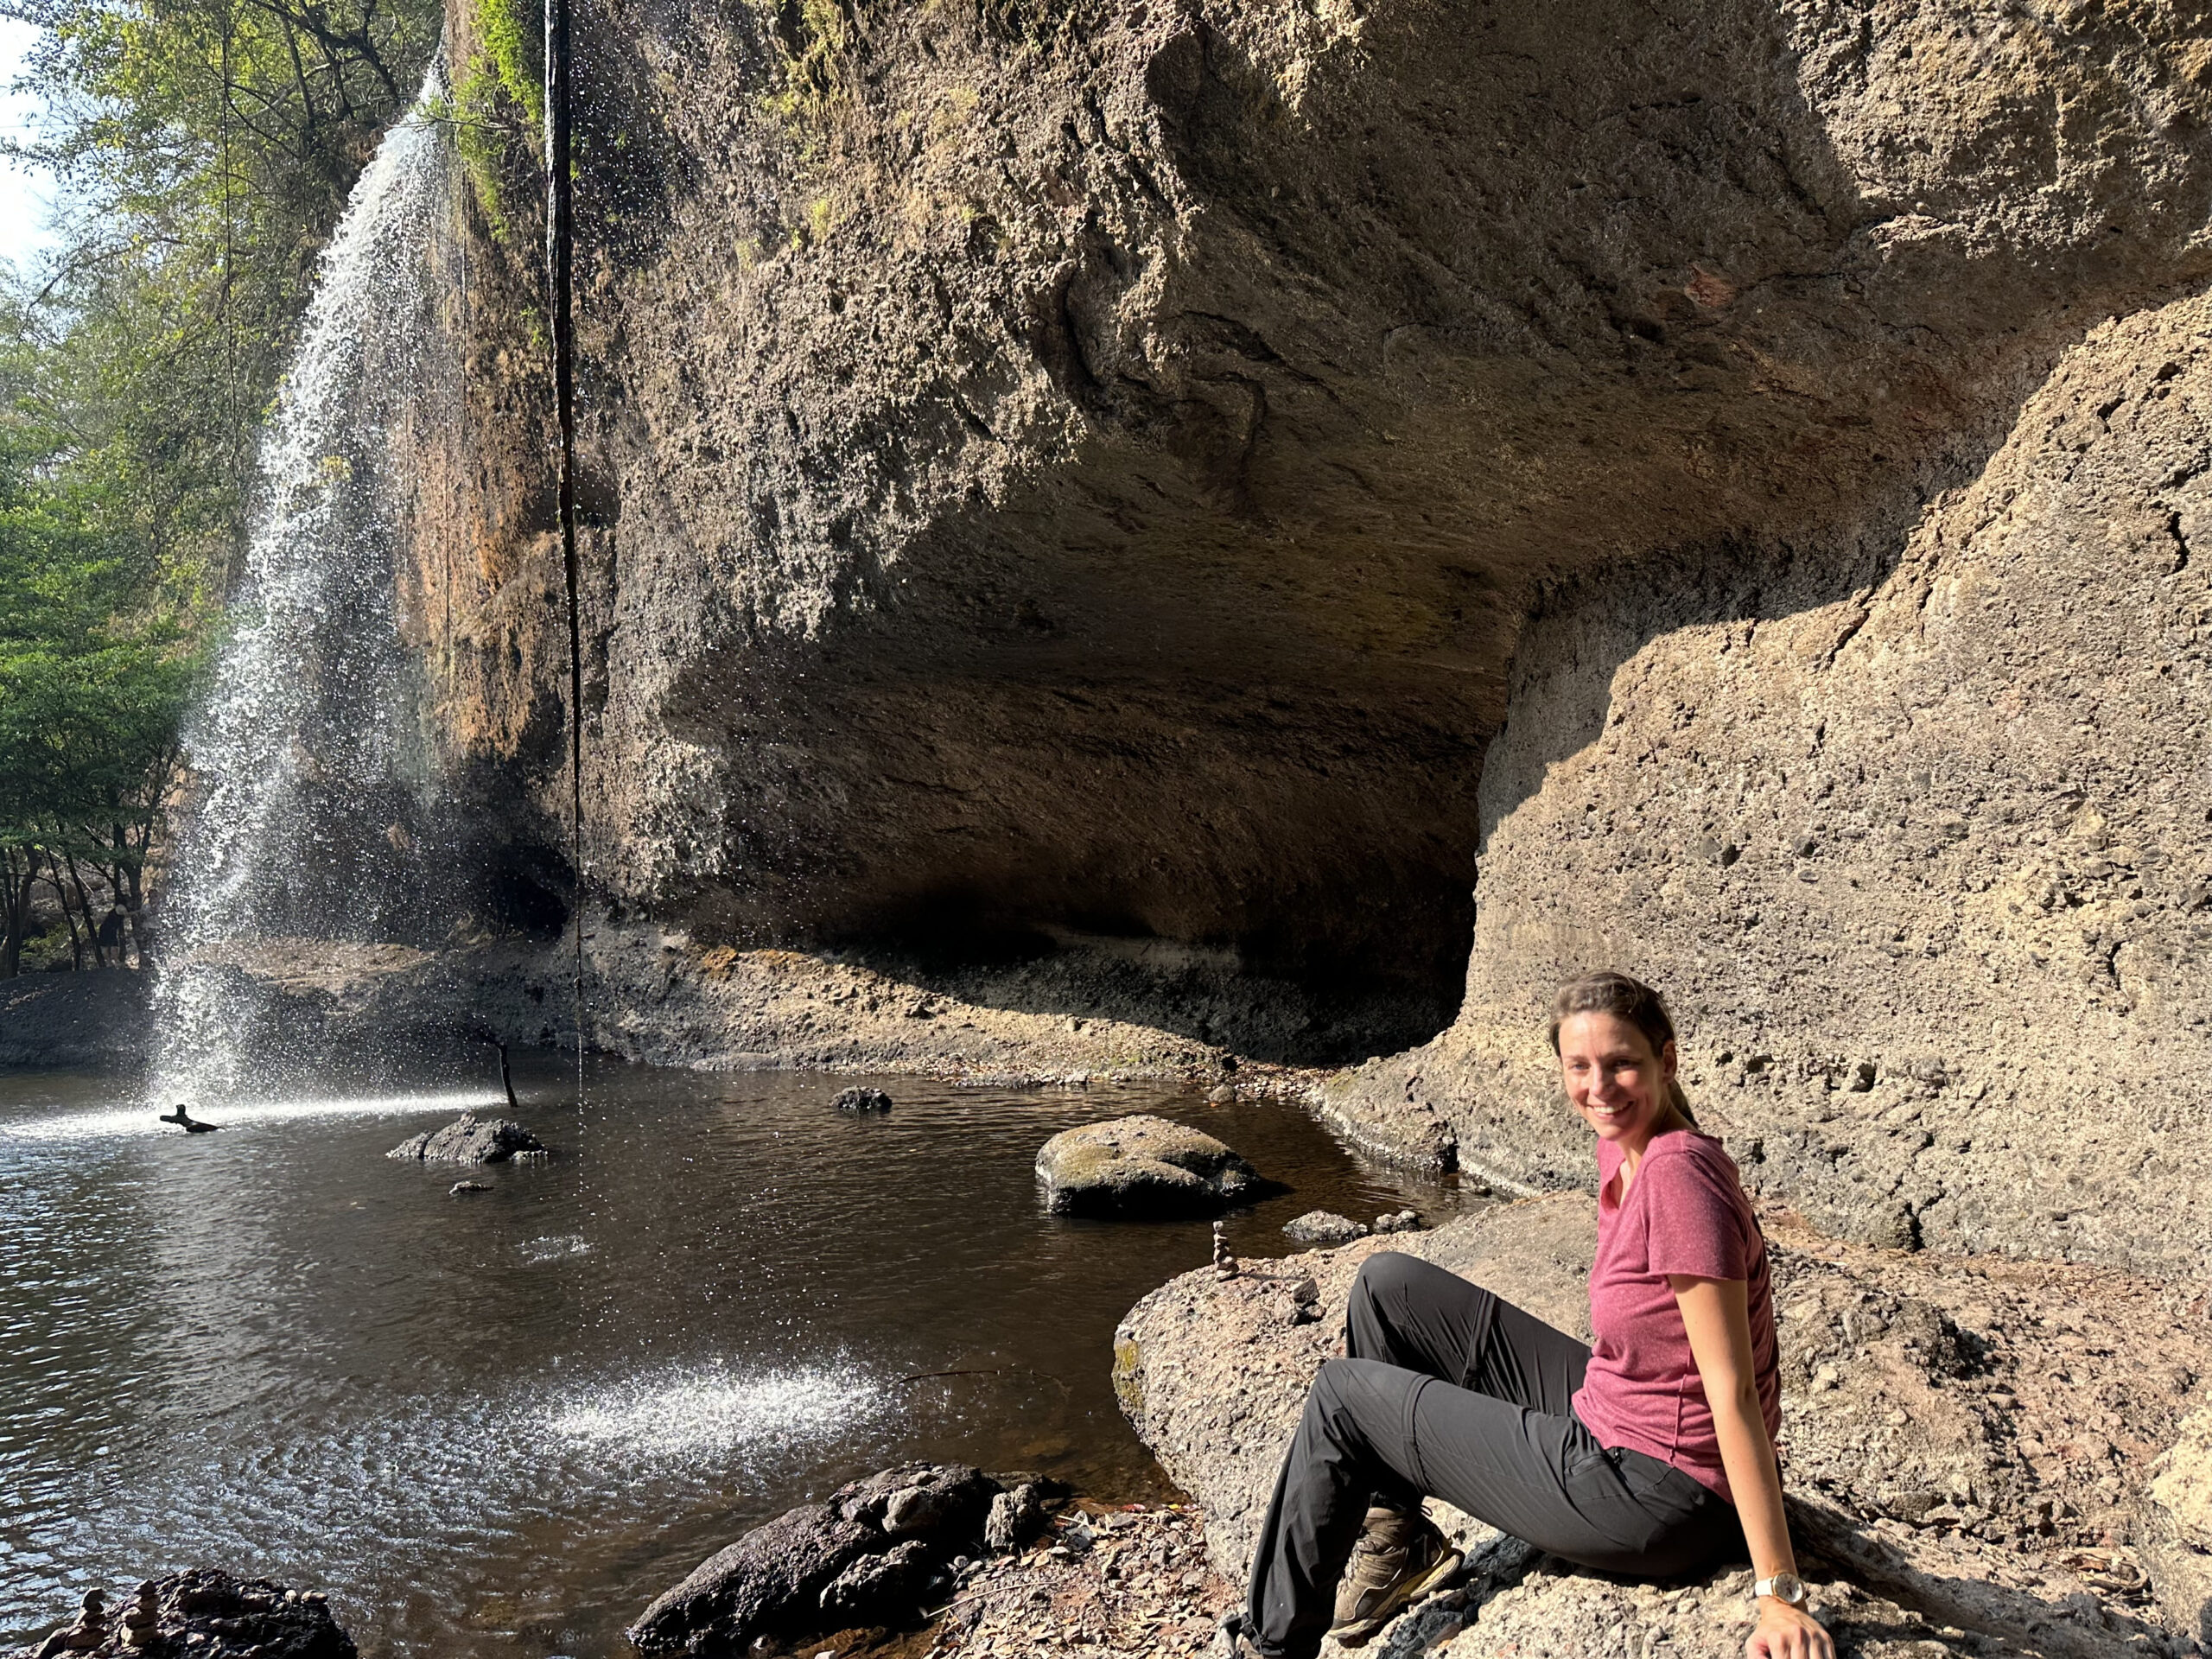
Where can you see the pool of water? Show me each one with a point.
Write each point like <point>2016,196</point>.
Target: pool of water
<point>500,1423</point>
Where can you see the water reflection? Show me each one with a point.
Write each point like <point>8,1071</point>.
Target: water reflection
<point>497,1424</point>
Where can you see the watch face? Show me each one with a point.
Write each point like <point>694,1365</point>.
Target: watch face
<point>1788,1586</point>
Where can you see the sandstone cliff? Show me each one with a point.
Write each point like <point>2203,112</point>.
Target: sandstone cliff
<point>1193,483</point>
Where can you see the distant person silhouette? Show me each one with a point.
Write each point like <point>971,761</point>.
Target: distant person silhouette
<point>185,1121</point>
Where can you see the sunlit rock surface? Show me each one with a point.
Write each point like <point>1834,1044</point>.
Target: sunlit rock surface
<point>1143,1166</point>
<point>1918,836</point>
<point>1963,1442</point>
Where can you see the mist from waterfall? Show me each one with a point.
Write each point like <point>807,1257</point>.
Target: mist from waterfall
<point>310,790</point>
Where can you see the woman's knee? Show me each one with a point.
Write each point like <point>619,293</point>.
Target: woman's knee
<point>1386,1277</point>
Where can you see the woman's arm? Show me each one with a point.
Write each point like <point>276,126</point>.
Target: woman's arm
<point>1719,1326</point>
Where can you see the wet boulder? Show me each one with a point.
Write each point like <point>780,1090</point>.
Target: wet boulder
<point>206,1613</point>
<point>469,1139</point>
<point>872,1554</point>
<point>1143,1166</point>
<point>862,1100</point>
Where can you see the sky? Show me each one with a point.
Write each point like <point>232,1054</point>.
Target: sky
<point>25,193</point>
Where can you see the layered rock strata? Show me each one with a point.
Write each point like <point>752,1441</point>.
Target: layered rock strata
<point>1969,1450</point>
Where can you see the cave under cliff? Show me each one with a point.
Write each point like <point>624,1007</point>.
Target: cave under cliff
<point>1201,484</point>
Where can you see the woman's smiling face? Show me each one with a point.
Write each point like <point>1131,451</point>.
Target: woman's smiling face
<point>1613,1077</point>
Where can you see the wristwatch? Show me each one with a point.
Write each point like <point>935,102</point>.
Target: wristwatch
<point>1783,1586</point>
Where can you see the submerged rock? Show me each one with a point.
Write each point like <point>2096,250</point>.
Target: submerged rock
<point>861,1100</point>
<point>1324,1227</point>
<point>468,1140</point>
<point>872,1554</point>
<point>209,1614</point>
<point>1143,1166</point>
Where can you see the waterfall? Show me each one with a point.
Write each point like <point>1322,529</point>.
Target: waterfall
<point>310,792</point>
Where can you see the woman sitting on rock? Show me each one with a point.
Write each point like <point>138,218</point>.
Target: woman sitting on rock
<point>1651,1455</point>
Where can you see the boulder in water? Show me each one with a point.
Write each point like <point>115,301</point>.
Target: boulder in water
<point>469,1141</point>
<point>873,1553</point>
<point>209,1614</point>
<point>1324,1227</point>
<point>861,1100</point>
<point>1143,1166</point>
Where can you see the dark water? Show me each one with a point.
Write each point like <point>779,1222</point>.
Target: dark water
<point>499,1424</point>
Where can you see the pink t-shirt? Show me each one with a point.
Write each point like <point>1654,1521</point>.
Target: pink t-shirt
<point>1685,1213</point>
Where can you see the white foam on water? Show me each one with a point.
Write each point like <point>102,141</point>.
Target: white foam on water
<point>140,1120</point>
<point>704,1409</point>
<point>555,1249</point>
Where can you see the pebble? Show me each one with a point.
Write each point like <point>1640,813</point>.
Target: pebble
<point>1144,1588</point>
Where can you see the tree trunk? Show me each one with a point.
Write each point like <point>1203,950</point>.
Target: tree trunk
<point>69,916</point>
<point>85,903</point>
<point>15,904</point>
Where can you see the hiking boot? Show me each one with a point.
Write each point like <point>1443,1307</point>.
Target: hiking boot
<point>1399,1558</point>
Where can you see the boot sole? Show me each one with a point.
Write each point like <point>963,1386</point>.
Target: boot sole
<point>1360,1631</point>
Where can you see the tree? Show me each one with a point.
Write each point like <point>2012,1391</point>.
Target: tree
<point>98,657</point>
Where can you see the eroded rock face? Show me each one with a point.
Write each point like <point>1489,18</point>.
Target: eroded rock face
<point>1913,831</point>
<point>1142,1165</point>
<point>2177,1528</point>
<point>1960,1442</point>
<point>1091,480</point>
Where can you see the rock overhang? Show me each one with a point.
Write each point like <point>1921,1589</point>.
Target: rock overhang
<point>1098,481</point>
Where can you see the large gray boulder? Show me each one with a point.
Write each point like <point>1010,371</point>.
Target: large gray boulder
<point>1143,1166</point>
<point>469,1139</point>
<point>870,1554</point>
<point>1966,1443</point>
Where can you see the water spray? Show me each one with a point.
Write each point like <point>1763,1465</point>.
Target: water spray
<point>560,283</point>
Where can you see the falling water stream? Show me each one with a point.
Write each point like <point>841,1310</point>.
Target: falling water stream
<point>312,799</point>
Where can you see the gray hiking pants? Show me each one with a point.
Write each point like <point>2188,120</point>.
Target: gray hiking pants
<point>1451,1393</point>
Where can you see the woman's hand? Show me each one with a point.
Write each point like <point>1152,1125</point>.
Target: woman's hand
<point>1787,1633</point>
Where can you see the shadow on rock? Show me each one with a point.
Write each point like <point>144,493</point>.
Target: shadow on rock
<point>874,1554</point>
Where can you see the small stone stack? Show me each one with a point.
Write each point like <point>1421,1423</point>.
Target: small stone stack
<point>208,1614</point>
